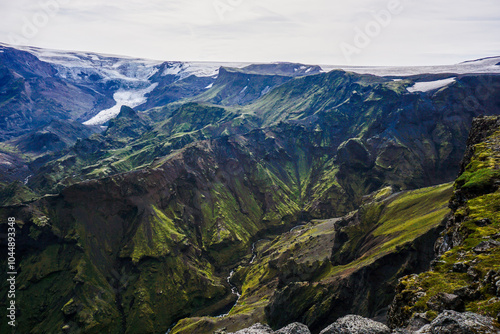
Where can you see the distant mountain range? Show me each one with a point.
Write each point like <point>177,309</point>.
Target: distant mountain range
<point>100,84</point>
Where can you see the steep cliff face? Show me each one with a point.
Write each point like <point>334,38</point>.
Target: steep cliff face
<point>240,86</point>
<point>466,274</point>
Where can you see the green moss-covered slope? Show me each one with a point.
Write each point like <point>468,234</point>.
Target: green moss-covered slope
<point>468,266</point>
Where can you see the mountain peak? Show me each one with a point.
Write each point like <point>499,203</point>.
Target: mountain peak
<point>127,112</point>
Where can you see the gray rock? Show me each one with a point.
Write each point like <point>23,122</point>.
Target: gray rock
<point>469,292</point>
<point>492,280</point>
<point>417,321</point>
<point>473,273</point>
<point>354,324</point>
<point>294,328</point>
<point>445,301</point>
<point>486,246</point>
<point>483,222</point>
<point>255,329</point>
<point>401,331</point>
<point>451,322</point>
<point>460,267</point>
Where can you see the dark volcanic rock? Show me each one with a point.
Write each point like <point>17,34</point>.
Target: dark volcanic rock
<point>127,112</point>
<point>460,267</point>
<point>492,281</point>
<point>417,321</point>
<point>470,292</point>
<point>293,328</point>
<point>354,154</point>
<point>354,324</point>
<point>483,222</point>
<point>445,301</point>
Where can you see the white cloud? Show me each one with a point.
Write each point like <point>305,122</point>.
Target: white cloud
<point>426,32</point>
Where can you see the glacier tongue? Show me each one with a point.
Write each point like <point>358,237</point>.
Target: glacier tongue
<point>130,98</point>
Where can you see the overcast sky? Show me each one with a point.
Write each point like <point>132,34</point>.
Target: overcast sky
<point>337,32</point>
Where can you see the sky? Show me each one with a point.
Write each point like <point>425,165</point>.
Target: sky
<point>329,32</point>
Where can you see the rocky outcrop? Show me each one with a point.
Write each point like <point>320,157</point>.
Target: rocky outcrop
<point>294,328</point>
<point>256,329</point>
<point>481,129</point>
<point>452,322</point>
<point>448,322</point>
<point>354,324</point>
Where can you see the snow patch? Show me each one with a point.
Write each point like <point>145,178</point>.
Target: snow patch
<point>430,85</point>
<point>26,180</point>
<point>244,89</point>
<point>172,69</point>
<point>130,98</point>
<point>210,86</point>
<point>265,91</point>
<point>200,69</point>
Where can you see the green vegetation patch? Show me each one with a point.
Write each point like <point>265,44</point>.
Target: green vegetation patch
<point>389,224</point>
<point>477,223</point>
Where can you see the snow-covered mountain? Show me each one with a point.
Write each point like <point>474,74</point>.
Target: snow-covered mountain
<point>90,87</point>
<point>129,80</point>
